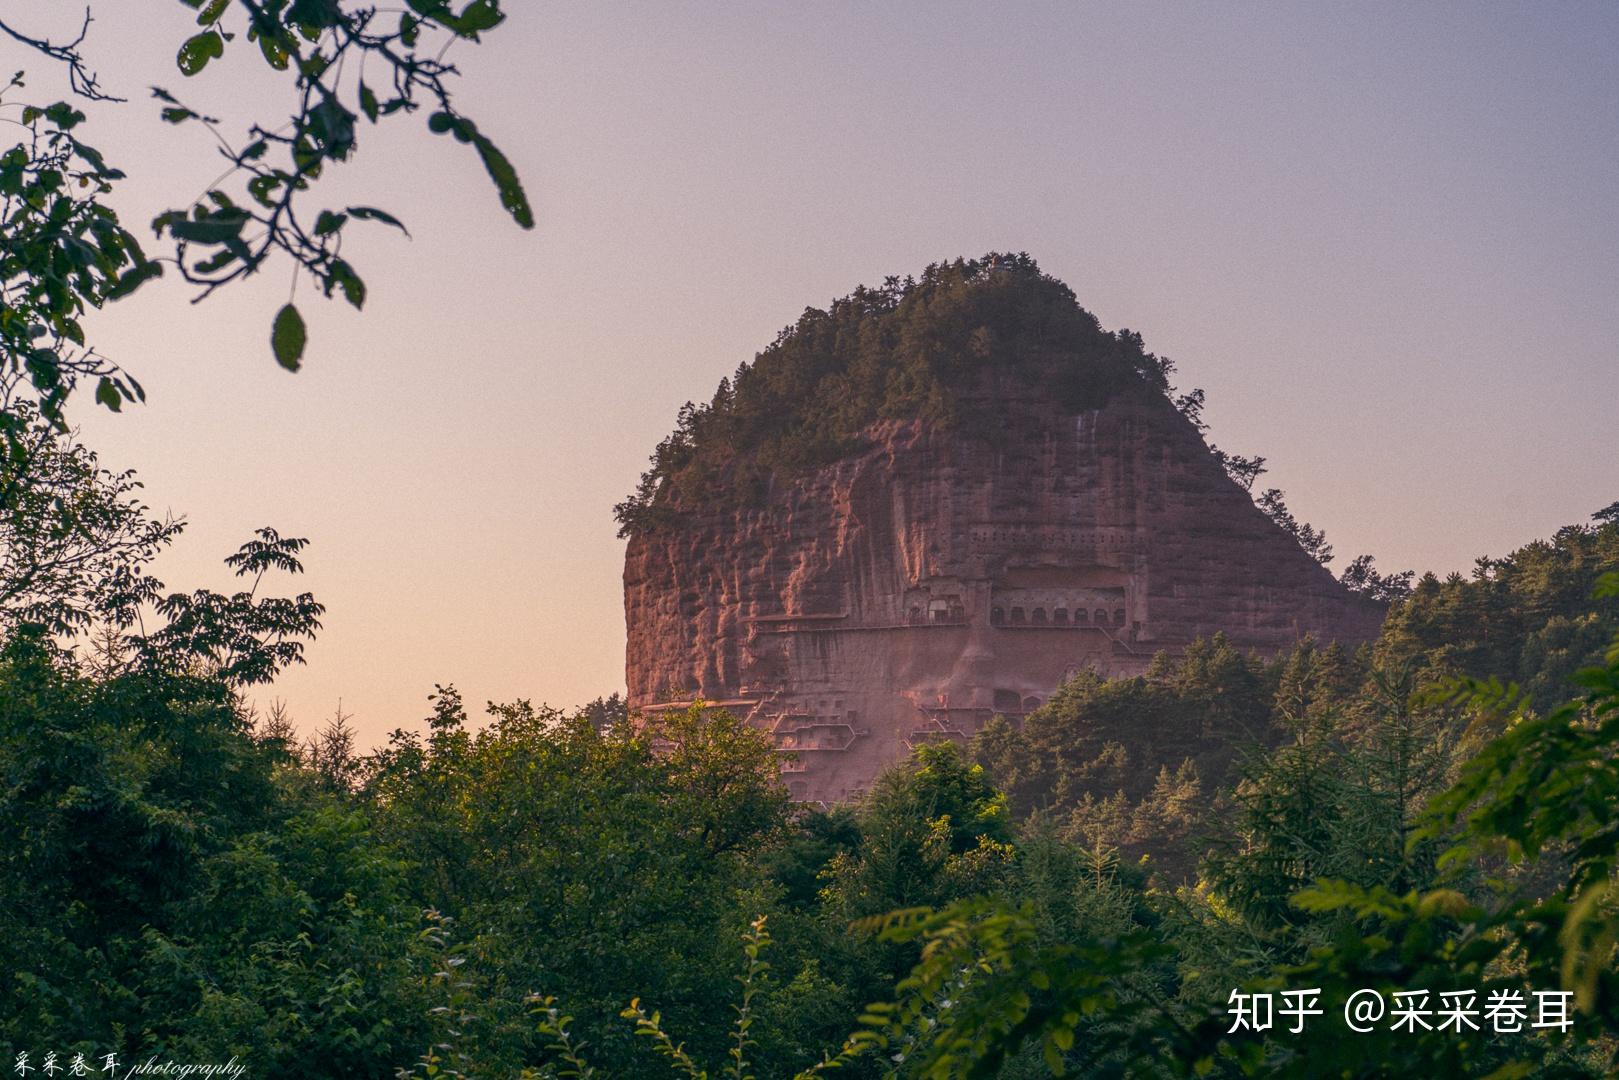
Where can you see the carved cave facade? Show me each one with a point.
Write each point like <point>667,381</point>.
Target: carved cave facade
<point>909,593</point>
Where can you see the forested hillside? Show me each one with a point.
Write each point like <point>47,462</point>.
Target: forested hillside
<point>542,894</point>
<point>944,348</point>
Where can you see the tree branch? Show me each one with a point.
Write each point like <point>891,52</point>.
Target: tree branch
<point>80,77</point>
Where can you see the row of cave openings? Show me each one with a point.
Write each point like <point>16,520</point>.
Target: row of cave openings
<point>1059,617</point>
<point>953,612</point>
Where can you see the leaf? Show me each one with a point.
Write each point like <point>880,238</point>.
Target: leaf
<point>217,229</point>
<point>107,394</point>
<point>1607,585</point>
<point>63,115</point>
<point>368,103</point>
<point>216,262</point>
<point>328,223</point>
<point>263,186</point>
<point>512,196</point>
<point>198,50</point>
<point>134,278</point>
<point>343,276</point>
<point>478,15</point>
<point>275,52</point>
<point>287,337</point>
<point>371,213</point>
<point>211,11</point>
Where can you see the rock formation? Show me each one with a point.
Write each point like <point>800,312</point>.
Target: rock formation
<point>938,574</point>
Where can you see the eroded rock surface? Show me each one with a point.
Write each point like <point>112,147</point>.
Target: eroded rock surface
<point>920,585</point>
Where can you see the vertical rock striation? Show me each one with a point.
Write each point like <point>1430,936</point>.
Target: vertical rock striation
<point>939,574</point>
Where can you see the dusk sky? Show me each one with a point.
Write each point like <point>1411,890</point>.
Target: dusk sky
<point>1383,238</point>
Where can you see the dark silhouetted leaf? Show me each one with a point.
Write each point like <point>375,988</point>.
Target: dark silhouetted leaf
<point>371,213</point>
<point>198,50</point>
<point>108,395</point>
<point>287,338</point>
<point>512,196</point>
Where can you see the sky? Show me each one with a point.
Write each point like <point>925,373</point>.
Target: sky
<point>1384,238</point>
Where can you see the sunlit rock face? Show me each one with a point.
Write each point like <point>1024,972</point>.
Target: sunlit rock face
<point>911,590</point>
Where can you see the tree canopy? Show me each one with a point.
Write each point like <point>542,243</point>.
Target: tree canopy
<point>564,894</point>
<point>944,347</point>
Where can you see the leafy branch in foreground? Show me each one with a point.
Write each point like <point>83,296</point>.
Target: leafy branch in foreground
<point>564,1047</point>
<point>223,238</point>
<point>985,987</point>
<point>64,250</point>
<point>80,76</point>
<point>62,253</point>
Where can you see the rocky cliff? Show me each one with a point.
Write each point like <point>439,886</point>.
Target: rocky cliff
<point>937,573</point>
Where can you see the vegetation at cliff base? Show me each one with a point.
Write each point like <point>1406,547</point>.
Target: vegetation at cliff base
<point>570,894</point>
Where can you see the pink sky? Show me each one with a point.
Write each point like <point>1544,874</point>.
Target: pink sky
<point>1384,240</point>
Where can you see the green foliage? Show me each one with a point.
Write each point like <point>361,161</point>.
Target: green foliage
<point>1545,786</point>
<point>1098,753</point>
<point>931,831</point>
<point>456,1023</point>
<point>239,640</point>
<point>568,1060</point>
<point>587,862</point>
<point>1063,900</point>
<point>225,237</point>
<point>1362,577</point>
<point>242,639</point>
<point>650,1025</point>
<point>1529,617</point>
<point>986,986</point>
<point>73,534</point>
<point>1548,780</point>
<point>568,1052</point>
<point>169,891</point>
<point>1340,801</point>
<point>75,544</point>
<point>65,251</point>
<point>1387,924</point>
<point>948,348</point>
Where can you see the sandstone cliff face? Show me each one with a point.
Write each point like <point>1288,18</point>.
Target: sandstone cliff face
<point>917,587</point>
